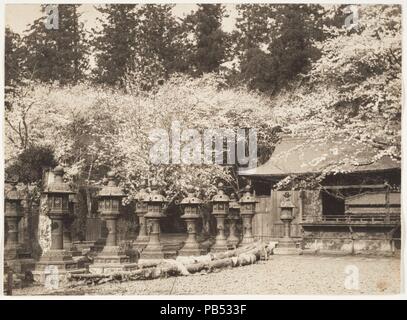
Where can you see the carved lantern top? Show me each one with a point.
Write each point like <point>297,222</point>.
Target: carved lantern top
<point>287,207</point>
<point>191,205</point>
<point>13,201</point>
<point>247,202</point>
<point>155,202</point>
<point>111,190</point>
<point>58,185</point>
<point>247,196</point>
<point>234,206</point>
<point>220,202</point>
<point>141,199</point>
<point>13,194</point>
<point>155,196</point>
<point>191,198</point>
<point>110,198</point>
<point>220,197</point>
<point>286,201</point>
<point>58,193</point>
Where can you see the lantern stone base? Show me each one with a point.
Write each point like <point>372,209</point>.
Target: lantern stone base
<point>141,242</point>
<point>57,263</point>
<point>153,251</point>
<point>246,241</point>
<point>107,268</point>
<point>233,244</point>
<point>152,254</point>
<point>112,259</point>
<point>287,247</point>
<point>112,254</point>
<point>59,256</point>
<point>42,276</point>
<point>192,250</point>
<point>219,247</point>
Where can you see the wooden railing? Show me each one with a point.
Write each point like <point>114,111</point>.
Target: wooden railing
<point>351,218</point>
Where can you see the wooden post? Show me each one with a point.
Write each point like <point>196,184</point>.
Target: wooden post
<point>301,195</point>
<point>387,203</point>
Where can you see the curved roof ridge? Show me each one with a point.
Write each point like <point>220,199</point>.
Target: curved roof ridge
<point>291,156</point>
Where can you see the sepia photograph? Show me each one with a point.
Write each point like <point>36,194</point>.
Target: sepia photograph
<point>202,149</point>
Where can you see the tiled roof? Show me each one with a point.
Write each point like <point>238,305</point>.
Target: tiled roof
<point>301,155</point>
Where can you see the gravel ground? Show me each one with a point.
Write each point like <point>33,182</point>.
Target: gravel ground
<point>279,275</point>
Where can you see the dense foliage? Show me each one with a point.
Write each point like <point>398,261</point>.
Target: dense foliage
<point>286,68</point>
<point>56,54</point>
<point>94,129</point>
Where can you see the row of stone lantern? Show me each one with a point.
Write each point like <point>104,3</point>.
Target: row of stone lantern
<point>149,209</point>
<point>59,258</point>
<point>225,207</point>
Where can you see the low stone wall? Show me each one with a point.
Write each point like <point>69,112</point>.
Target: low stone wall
<point>371,240</point>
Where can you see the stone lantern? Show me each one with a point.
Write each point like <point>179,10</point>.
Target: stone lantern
<point>220,208</point>
<point>67,227</point>
<point>233,218</point>
<point>286,213</point>
<point>112,258</point>
<point>141,210</point>
<point>57,209</point>
<point>286,245</point>
<point>14,255</point>
<point>191,215</point>
<point>12,216</point>
<point>155,203</point>
<point>247,211</point>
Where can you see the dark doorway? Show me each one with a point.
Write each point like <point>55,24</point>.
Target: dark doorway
<point>332,205</point>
